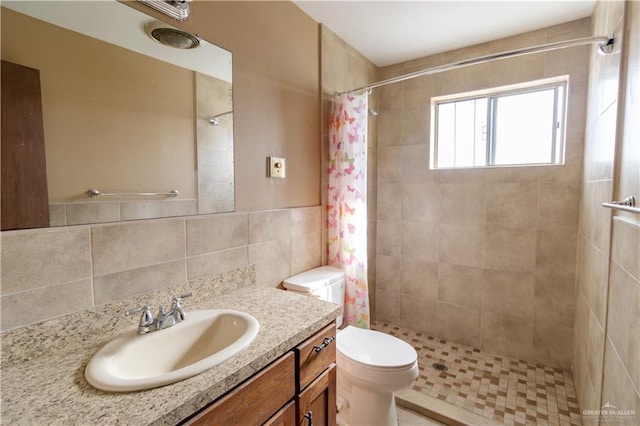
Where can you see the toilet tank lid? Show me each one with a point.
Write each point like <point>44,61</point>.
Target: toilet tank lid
<point>314,279</point>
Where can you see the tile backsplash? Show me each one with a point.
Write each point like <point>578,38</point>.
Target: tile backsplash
<point>57,271</point>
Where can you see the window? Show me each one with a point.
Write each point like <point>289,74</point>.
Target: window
<point>506,126</point>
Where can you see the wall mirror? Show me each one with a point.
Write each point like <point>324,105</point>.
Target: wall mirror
<point>121,114</point>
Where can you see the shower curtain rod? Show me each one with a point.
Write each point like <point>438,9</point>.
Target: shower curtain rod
<point>606,47</point>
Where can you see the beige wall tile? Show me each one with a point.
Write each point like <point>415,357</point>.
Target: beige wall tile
<point>123,284</point>
<point>305,252</point>
<point>126,246</point>
<point>272,261</point>
<point>510,249</point>
<point>516,70</point>
<point>463,203</point>
<point>218,232</point>
<point>618,389</point>
<point>216,262</point>
<point>418,278</point>
<point>39,304</point>
<point>626,245</point>
<point>594,281</point>
<point>44,258</point>
<point>506,335</point>
<point>415,164</point>
<point>387,306</point>
<point>389,201</point>
<point>269,225</point>
<point>389,129</point>
<point>559,206</point>
<point>460,285</point>
<point>459,324</point>
<point>512,205</point>
<point>421,202</point>
<point>388,273</point>
<point>389,164</point>
<point>389,238</point>
<point>420,241</point>
<point>623,327</point>
<point>417,314</point>
<point>595,343</point>
<point>553,345</point>
<point>306,220</point>
<point>462,245</point>
<point>509,293</point>
<point>57,215</point>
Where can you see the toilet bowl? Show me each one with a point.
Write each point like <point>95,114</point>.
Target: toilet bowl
<point>371,365</point>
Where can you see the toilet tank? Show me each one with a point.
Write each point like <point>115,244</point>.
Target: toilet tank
<point>325,283</point>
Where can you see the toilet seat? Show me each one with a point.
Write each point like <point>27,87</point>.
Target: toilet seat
<point>375,350</point>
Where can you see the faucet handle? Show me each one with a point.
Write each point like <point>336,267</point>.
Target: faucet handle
<point>146,319</point>
<point>178,299</point>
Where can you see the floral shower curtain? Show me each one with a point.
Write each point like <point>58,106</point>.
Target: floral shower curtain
<point>347,202</point>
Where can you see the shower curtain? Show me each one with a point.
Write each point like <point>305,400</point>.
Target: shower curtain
<point>347,202</point>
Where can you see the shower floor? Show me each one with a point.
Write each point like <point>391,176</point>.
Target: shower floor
<point>499,388</point>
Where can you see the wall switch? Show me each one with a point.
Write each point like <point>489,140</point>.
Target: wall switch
<point>275,167</point>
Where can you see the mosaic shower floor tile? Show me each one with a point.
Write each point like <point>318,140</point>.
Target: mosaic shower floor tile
<point>501,388</point>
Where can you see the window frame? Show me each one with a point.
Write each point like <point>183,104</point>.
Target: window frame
<point>492,96</point>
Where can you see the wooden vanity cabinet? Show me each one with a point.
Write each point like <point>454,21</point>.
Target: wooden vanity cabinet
<point>299,389</point>
<point>316,379</point>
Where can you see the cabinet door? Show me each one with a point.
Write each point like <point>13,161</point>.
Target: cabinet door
<point>254,401</point>
<point>317,403</point>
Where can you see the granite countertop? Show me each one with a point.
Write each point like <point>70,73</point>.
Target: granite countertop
<point>43,365</point>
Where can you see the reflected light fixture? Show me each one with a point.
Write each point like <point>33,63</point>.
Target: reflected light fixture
<point>176,9</point>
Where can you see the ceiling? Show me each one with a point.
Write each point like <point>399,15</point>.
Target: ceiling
<point>393,31</point>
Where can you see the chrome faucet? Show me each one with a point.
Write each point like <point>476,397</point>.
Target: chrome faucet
<point>149,323</point>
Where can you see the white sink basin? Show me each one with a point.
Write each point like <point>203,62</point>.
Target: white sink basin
<point>203,340</point>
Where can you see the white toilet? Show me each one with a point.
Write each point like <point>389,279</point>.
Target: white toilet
<point>371,365</point>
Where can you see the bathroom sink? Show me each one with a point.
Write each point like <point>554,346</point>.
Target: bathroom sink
<point>203,340</point>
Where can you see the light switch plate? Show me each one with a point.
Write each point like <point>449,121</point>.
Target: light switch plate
<point>275,167</point>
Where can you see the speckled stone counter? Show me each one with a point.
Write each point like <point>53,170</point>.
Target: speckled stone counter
<point>43,365</point>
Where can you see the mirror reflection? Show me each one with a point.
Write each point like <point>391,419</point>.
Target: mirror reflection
<point>92,105</point>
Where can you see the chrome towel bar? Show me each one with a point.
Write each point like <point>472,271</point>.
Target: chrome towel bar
<point>93,193</point>
<point>628,205</point>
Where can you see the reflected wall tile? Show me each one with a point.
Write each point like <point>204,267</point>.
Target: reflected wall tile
<point>133,210</point>
<point>512,205</point>
<point>510,249</point>
<point>459,324</point>
<point>97,212</point>
<point>460,285</point>
<point>418,278</point>
<point>34,259</point>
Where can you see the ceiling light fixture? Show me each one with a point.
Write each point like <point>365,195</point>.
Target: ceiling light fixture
<point>169,36</point>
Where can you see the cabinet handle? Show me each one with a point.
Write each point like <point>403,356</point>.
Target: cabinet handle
<point>326,342</point>
<point>309,417</point>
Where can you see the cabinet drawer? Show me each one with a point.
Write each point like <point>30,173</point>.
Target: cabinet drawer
<point>285,417</point>
<point>315,355</point>
<point>254,401</point>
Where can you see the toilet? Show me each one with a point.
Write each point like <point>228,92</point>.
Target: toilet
<point>371,365</point>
